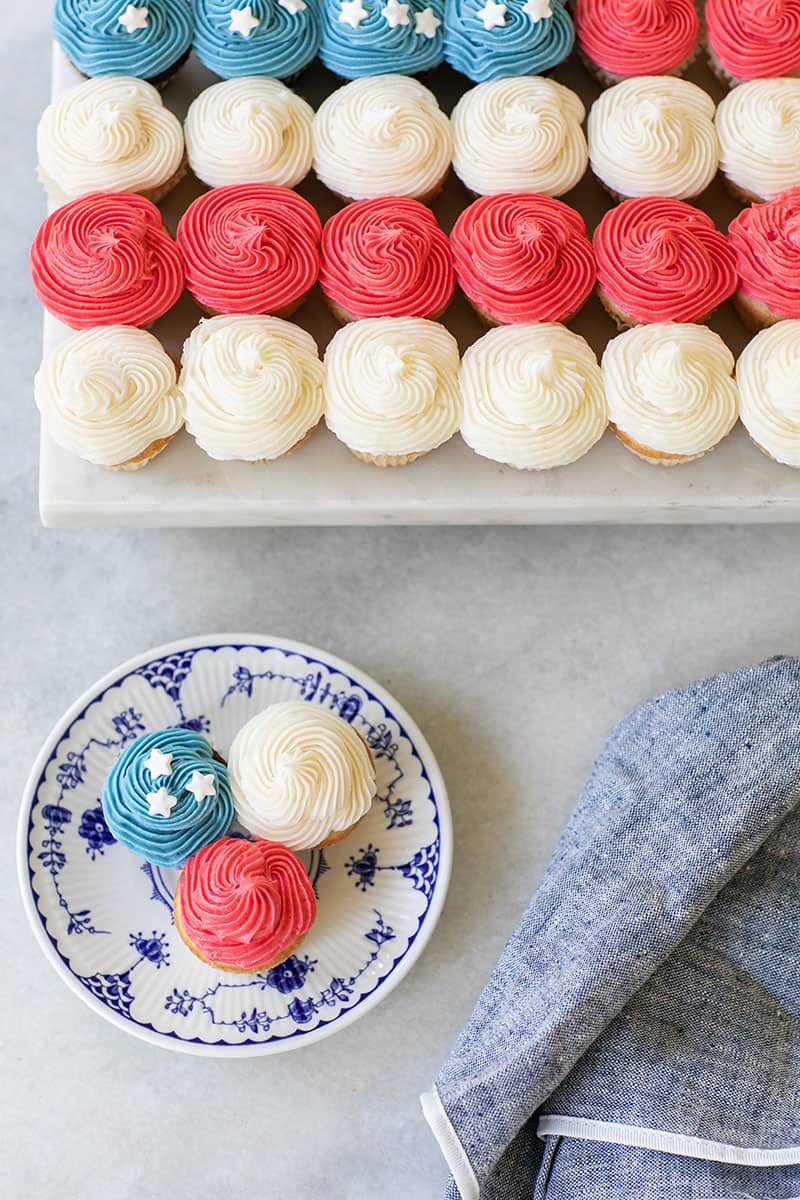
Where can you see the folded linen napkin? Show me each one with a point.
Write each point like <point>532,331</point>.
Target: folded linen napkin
<point>640,1035</point>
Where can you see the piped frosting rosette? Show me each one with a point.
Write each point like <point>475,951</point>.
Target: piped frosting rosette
<point>263,37</point>
<point>386,257</point>
<point>523,258</point>
<point>112,37</point>
<point>252,386</point>
<point>662,260</point>
<point>485,39</point>
<point>533,396</point>
<point>768,374</point>
<point>637,37</point>
<point>754,39</point>
<point>370,37</point>
<point>521,134</point>
<point>106,259</point>
<point>383,135</point>
<point>766,241</point>
<point>250,248</point>
<point>758,125</point>
<point>653,136</point>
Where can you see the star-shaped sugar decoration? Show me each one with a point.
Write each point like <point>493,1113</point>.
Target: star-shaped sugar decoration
<point>160,802</point>
<point>134,17</point>
<point>202,786</point>
<point>537,10</point>
<point>492,14</point>
<point>293,6</point>
<point>352,13</point>
<point>243,21</point>
<point>426,23</point>
<point>395,14</point>
<point>158,763</point>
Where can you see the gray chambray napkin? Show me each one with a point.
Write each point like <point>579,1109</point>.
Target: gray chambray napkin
<point>640,1035</point>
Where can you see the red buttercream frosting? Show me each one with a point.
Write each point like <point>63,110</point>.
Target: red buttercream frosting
<point>636,37</point>
<point>387,258</point>
<point>250,248</point>
<point>106,259</point>
<point>244,904</point>
<point>755,39</point>
<point>766,241</point>
<point>523,258</point>
<point>663,260</point>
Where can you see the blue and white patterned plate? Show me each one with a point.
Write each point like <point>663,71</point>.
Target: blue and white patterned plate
<point>104,917</point>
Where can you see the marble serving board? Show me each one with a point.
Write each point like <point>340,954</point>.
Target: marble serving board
<point>323,484</point>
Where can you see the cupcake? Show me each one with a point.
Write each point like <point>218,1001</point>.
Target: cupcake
<point>533,396</point>
<point>523,258</point>
<point>112,37</point>
<point>106,259</point>
<point>386,258</point>
<point>250,248</point>
<point>521,134</point>
<point>621,38</point>
<point>167,796</point>
<point>753,39</point>
<point>484,39</point>
<point>766,241</point>
<point>661,260</point>
<point>383,135</point>
<point>265,37</point>
<point>300,775</point>
<point>244,906</point>
<point>653,136</point>
<point>249,130</point>
<point>670,391</point>
<point>768,375</point>
<point>110,396</point>
<point>758,125</point>
<point>371,37</point>
<point>251,386</point>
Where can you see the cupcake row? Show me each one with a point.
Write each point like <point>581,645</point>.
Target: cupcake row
<point>391,389</point>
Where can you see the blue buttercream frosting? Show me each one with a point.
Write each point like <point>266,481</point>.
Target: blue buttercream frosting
<point>521,45</point>
<point>133,787</point>
<point>376,46</point>
<point>144,43</point>
<point>284,41</point>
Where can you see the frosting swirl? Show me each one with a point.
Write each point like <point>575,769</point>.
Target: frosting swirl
<point>113,37</point>
<point>386,258</point>
<point>768,374</point>
<point>662,260</point>
<point>244,905</point>
<point>106,259</point>
<point>637,37</point>
<point>300,775</point>
<point>382,135</point>
<point>403,38</point>
<point>522,258</point>
<point>766,241</point>
<point>109,134</point>
<point>654,136</point>
<point>250,248</point>
<point>270,37</point>
<point>486,40</point>
<point>755,39</point>
<point>758,125</point>
<point>519,135</point>
<point>108,394</point>
<point>533,396</point>
<point>249,130</point>
<point>670,387</point>
<point>167,796</point>
<point>252,386</point>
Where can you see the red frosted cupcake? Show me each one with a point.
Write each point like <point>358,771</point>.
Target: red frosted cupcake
<point>766,241</point>
<point>621,38</point>
<point>106,259</point>
<point>244,906</point>
<point>386,258</point>
<point>250,248</point>
<point>661,260</point>
<point>753,39</point>
<point>523,258</point>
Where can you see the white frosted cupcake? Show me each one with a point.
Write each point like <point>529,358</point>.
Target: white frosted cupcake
<point>653,135</point>
<point>768,374</point>
<point>521,134</point>
<point>249,130</point>
<point>110,134</point>
<point>758,125</point>
<point>383,135</point>
<point>391,388</point>
<point>300,775</point>
<point>533,396</point>
<point>670,391</point>
<point>251,386</point>
<point>110,396</point>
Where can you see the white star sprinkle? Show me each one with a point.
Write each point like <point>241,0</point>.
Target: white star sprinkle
<point>352,13</point>
<point>202,786</point>
<point>243,21</point>
<point>293,6</point>
<point>134,18</point>
<point>492,14</point>
<point>426,22</point>
<point>395,14</point>
<point>161,803</point>
<point>158,763</point>
<point>537,10</point>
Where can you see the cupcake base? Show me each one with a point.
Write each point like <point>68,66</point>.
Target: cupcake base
<point>624,320</point>
<point>346,318</point>
<point>283,313</point>
<point>222,966</point>
<point>386,460</point>
<point>608,79</point>
<point>146,456</point>
<point>739,193</point>
<point>755,314</point>
<point>657,458</point>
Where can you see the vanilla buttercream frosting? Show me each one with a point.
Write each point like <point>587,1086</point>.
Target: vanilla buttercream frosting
<point>768,374</point>
<point>758,125</point>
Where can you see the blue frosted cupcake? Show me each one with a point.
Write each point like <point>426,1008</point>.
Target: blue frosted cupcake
<point>379,37</point>
<point>167,796</point>
<point>278,38</point>
<point>114,37</point>
<point>485,39</point>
